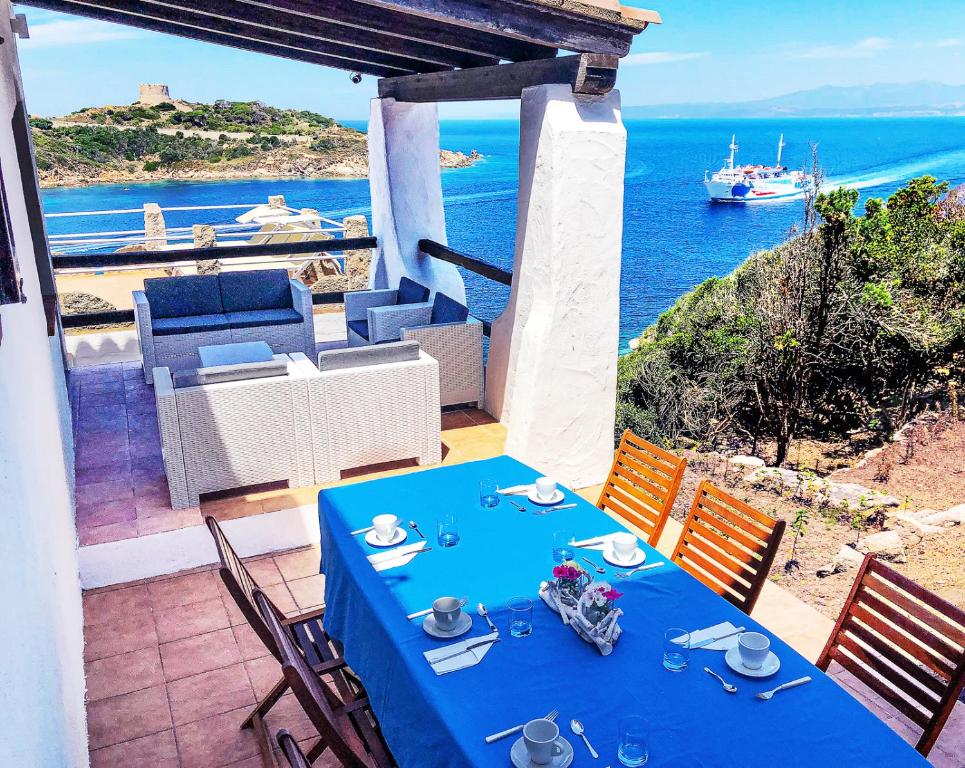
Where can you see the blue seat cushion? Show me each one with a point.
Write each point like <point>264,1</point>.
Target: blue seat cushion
<point>253,318</point>
<point>258,289</point>
<point>183,296</point>
<point>360,327</point>
<point>446,310</point>
<point>172,326</point>
<point>411,292</point>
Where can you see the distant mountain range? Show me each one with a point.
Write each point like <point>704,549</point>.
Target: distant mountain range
<point>879,100</point>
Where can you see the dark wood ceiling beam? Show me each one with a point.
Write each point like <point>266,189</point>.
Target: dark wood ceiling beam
<point>156,21</point>
<point>524,21</point>
<point>587,73</point>
<point>407,26</point>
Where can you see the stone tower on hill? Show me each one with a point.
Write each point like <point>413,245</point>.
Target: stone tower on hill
<point>153,93</point>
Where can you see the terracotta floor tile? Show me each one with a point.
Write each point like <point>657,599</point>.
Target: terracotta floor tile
<point>281,597</point>
<point>455,420</point>
<point>308,592</point>
<point>118,605</point>
<point>119,472</point>
<point>263,673</point>
<point>194,655</point>
<point>129,716</point>
<point>111,460</point>
<point>264,571</point>
<point>210,693</point>
<point>121,636</point>
<point>190,620</point>
<point>153,503</point>
<point>299,564</point>
<point>952,738</point>
<point>151,486</point>
<point>233,509</point>
<point>173,520</point>
<point>235,616</point>
<point>249,644</point>
<point>102,534</point>
<point>215,741</point>
<point>105,513</point>
<point>127,672</point>
<point>158,750</point>
<point>152,464</point>
<point>181,590</point>
<point>99,493</point>
<point>288,714</point>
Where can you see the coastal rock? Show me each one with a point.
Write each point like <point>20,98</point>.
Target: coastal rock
<point>776,479</point>
<point>746,461</point>
<point>846,559</point>
<point>855,496</point>
<point>951,516</point>
<point>886,544</point>
<point>357,262</point>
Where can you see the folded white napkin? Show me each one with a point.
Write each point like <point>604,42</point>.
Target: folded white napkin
<point>392,558</point>
<point>516,489</point>
<point>718,630</point>
<point>598,543</point>
<point>470,658</point>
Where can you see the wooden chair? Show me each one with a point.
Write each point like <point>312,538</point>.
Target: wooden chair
<point>728,545</point>
<point>347,726</point>
<point>304,629</point>
<point>903,642</point>
<point>642,485</point>
<point>290,749</point>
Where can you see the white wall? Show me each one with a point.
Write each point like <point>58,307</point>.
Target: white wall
<point>41,642</point>
<point>552,370</point>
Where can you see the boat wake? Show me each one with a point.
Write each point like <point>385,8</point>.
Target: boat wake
<point>945,164</point>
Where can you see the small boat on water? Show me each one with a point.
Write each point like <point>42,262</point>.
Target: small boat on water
<point>755,183</point>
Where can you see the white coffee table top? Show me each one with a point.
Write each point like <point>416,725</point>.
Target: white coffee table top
<point>234,354</point>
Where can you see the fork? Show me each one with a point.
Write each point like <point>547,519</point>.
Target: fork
<point>553,714</point>
<point>628,574</point>
<point>768,695</point>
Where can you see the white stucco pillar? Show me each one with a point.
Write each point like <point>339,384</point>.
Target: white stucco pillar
<point>406,190</point>
<point>551,376</point>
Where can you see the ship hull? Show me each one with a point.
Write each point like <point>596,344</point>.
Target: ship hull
<point>757,192</point>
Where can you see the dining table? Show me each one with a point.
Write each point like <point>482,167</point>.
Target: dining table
<point>441,721</point>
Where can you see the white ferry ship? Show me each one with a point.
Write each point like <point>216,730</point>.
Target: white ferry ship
<point>755,183</point>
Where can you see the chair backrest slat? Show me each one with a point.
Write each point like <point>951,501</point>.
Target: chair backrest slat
<point>316,699</point>
<point>642,485</point>
<point>905,643</point>
<point>728,545</point>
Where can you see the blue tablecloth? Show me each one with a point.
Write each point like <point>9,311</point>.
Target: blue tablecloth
<point>440,722</point>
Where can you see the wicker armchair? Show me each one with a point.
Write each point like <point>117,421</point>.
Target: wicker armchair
<point>233,433</point>
<point>374,317</point>
<point>458,347</point>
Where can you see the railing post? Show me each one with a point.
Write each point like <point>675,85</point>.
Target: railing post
<point>155,232</point>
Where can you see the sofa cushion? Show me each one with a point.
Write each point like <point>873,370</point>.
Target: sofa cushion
<point>194,377</point>
<point>257,289</point>
<point>183,296</point>
<point>411,292</point>
<point>360,328</point>
<point>172,326</point>
<point>253,318</point>
<point>358,357</point>
<point>446,310</point>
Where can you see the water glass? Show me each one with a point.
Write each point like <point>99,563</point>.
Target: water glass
<point>676,649</point>
<point>634,749</point>
<point>520,617</point>
<point>488,493</point>
<point>448,530</point>
<point>563,548</point>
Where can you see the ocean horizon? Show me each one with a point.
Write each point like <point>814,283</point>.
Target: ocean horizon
<point>673,237</point>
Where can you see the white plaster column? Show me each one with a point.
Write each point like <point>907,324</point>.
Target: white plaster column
<point>406,191</point>
<point>551,376</point>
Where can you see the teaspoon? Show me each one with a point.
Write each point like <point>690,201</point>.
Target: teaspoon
<point>727,686</point>
<point>415,527</point>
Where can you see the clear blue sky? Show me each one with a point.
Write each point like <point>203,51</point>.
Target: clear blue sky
<point>704,51</point>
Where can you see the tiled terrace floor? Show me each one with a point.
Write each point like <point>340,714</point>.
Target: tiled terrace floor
<point>122,491</point>
<point>172,669</point>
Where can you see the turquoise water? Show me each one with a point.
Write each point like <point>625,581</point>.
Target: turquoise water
<point>673,237</point>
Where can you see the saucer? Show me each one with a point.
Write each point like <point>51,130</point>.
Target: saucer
<point>520,756</point>
<point>769,667</point>
<point>463,625</point>
<point>556,498</point>
<point>374,541</point>
<point>636,559</point>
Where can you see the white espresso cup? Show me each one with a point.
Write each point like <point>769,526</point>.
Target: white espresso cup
<point>545,488</point>
<point>624,545</point>
<point>753,648</point>
<point>446,612</point>
<point>540,738</point>
<point>385,526</point>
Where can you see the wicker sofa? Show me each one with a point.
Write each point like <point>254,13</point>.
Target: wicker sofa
<point>176,315</point>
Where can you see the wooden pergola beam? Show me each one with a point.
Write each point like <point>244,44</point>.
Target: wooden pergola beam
<point>586,73</point>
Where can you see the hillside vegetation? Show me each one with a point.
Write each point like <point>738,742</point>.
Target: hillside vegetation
<point>855,323</point>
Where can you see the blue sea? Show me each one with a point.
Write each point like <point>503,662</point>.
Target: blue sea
<point>673,238</point>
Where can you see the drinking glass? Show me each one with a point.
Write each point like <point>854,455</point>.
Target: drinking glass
<point>448,530</point>
<point>488,493</point>
<point>520,617</point>
<point>676,649</point>
<point>562,547</point>
<point>634,749</point>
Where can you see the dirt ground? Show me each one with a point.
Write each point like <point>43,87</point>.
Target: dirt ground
<point>931,474</point>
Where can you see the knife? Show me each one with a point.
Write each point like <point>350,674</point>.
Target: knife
<point>712,640</point>
<point>468,648</point>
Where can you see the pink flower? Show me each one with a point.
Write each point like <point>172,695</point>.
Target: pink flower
<point>558,571</point>
<point>612,594</point>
